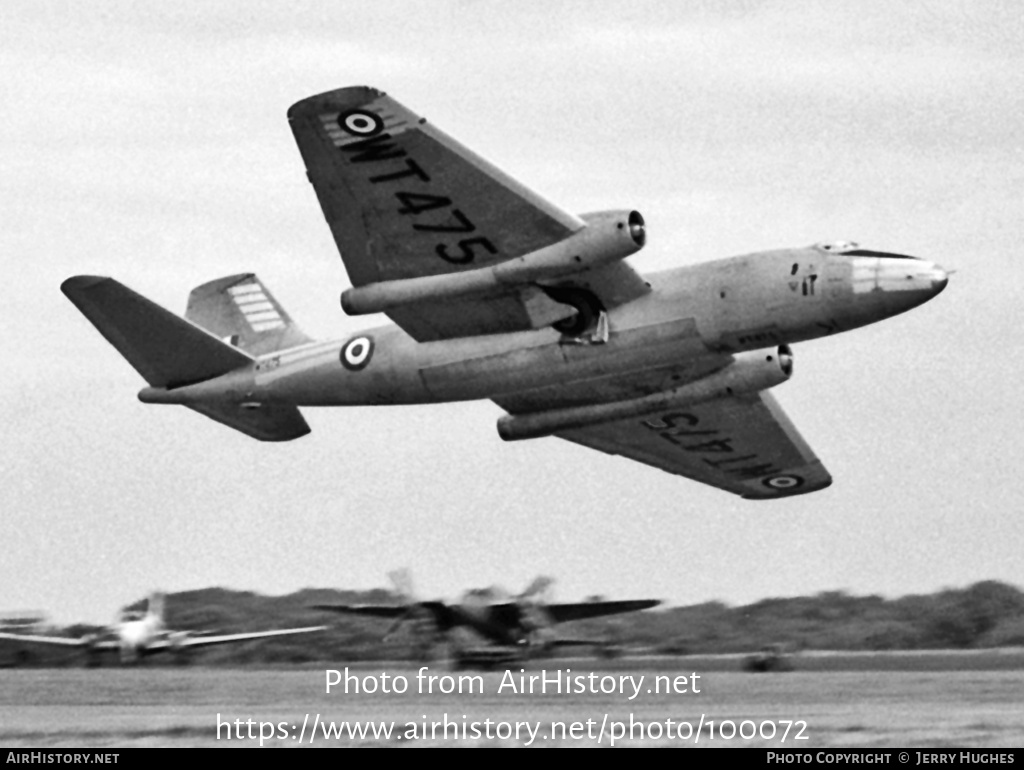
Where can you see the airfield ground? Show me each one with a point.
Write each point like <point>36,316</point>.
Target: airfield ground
<point>881,700</point>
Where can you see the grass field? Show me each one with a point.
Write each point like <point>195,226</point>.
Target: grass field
<point>160,706</point>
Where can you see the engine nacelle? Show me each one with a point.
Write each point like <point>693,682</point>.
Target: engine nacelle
<point>178,647</point>
<point>537,628</point>
<point>426,634</point>
<point>630,221</point>
<point>90,644</point>
<point>607,237</point>
<point>747,373</point>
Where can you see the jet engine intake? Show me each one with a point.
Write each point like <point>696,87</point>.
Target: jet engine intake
<point>747,373</point>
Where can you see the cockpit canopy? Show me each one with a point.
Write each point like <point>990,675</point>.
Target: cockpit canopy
<point>852,249</point>
<point>836,247</point>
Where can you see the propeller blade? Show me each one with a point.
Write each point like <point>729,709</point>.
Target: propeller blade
<point>395,625</point>
<point>539,586</point>
<point>401,579</point>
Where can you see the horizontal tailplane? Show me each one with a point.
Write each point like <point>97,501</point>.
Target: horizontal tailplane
<point>166,350</point>
<point>266,422</point>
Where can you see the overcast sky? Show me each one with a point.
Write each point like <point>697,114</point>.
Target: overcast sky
<point>149,142</point>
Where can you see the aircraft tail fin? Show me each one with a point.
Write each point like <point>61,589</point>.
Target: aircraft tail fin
<point>166,350</point>
<point>171,352</point>
<point>241,310</point>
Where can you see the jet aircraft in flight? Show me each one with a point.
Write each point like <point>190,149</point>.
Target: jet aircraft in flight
<point>495,292</point>
<point>136,634</point>
<point>515,626</point>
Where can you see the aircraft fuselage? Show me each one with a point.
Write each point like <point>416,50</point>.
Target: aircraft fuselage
<point>732,305</point>
<point>486,621</point>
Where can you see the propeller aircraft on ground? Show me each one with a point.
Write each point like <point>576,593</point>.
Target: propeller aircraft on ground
<point>136,634</point>
<point>498,293</point>
<point>516,627</point>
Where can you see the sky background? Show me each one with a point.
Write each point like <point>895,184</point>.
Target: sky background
<point>149,142</point>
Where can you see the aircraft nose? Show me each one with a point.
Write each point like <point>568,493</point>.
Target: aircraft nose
<point>895,283</point>
<point>939,278</point>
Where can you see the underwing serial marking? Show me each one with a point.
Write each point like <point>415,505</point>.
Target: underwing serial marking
<point>676,426</point>
<point>361,137</point>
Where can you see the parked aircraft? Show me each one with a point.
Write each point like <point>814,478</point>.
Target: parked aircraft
<point>21,619</point>
<point>138,633</point>
<point>515,626</point>
<point>497,293</point>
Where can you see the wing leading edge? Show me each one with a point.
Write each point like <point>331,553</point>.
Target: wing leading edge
<point>209,641</point>
<point>442,613</point>
<point>563,613</point>
<point>370,610</point>
<point>56,641</point>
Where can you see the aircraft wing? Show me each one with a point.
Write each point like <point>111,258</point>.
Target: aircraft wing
<point>512,612</point>
<point>371,610</point>
<point>563,613</point>
<point>405,200</point>
<point>444,615</point>
<point>745,445</point>
<point>57,641</point>
<point>93,645</point>
<point>209,641</point>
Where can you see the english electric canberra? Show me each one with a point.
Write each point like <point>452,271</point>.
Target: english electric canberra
<point>497,293</point>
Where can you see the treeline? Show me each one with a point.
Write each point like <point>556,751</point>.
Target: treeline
<point>986,614</point>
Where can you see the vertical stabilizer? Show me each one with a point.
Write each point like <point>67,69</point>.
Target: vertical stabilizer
<point>242,312</point>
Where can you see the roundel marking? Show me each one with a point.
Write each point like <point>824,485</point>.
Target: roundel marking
<point>360,123</point>
<point>356,353</point>
<point>784,482</point>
